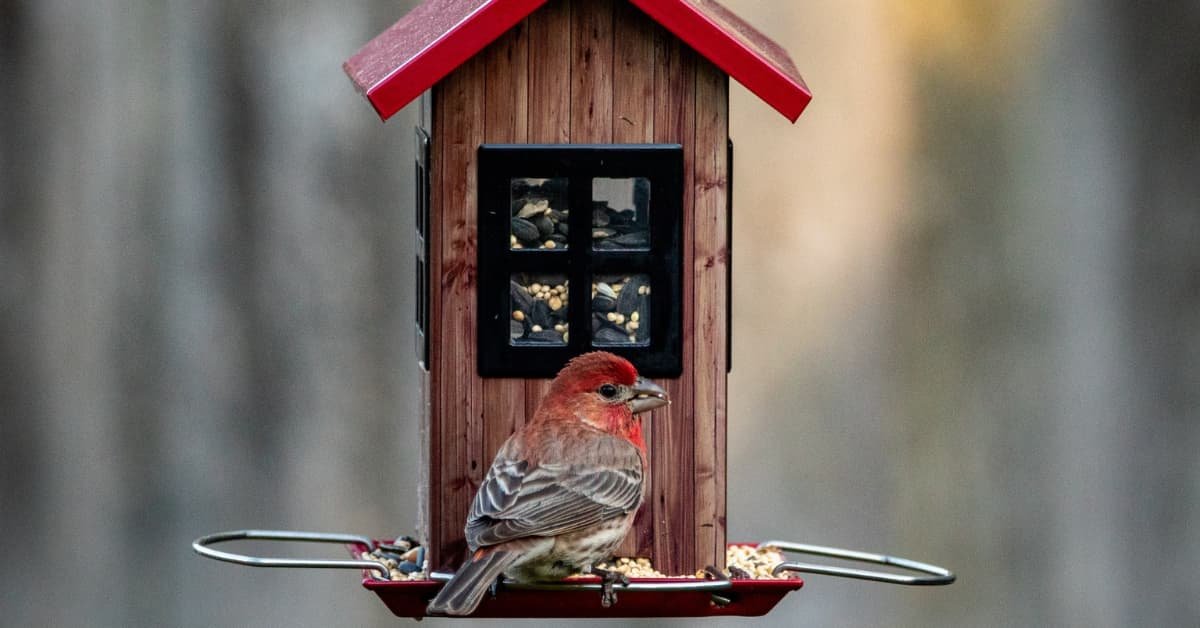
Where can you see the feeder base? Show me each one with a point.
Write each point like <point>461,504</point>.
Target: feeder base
<point>645,597</point>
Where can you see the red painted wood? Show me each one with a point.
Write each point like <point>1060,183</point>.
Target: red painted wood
<point>440,35</point>
<point>748,598</point>
<point>733,45</point>
<point>427,45</point>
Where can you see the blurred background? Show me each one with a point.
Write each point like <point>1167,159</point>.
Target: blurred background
<point>966,316</point>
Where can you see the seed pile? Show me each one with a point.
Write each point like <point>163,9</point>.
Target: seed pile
<point>634,568</point>
<point>621,310</point>
<point>404,557</point>
<point>406,561</point>
<point>741,562</point>
<point>754,562</point>
<point>539,214</point>
<point>618,230</point>
<point>539,310</point>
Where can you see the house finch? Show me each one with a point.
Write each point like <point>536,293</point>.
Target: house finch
<point>564,489</point>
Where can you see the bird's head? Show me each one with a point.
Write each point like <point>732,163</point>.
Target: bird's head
<point>601,389</point>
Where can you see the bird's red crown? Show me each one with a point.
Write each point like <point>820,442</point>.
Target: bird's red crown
<point>589,370</point>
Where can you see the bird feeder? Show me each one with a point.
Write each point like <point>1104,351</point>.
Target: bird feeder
<point>573,194</point>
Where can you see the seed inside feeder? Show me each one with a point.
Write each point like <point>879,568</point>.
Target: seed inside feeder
<point>539,304</point>
<point>619,305</point>
<point>621,214</point>
<point>539,213</point>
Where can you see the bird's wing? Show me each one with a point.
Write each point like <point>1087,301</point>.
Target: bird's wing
<point>518,499</point>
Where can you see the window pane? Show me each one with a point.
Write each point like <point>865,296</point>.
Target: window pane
<point>538,309</point>
<point>621,214</point>
<point>621,310</point>
<point>539,213</point>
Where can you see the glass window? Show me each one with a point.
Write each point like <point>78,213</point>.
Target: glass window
<point>539,213</point>
<point>621,214</point>
<point>603,221</point>
<point>621,310</point>
<point>538,309</point>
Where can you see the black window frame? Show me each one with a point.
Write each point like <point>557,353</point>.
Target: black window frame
<point>498,165</point>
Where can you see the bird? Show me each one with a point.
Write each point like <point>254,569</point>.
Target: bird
<point>564,489</point>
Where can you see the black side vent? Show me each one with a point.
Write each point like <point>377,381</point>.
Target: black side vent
<point>422,188</point>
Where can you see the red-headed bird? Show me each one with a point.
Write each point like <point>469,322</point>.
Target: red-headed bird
<point>564,489</point>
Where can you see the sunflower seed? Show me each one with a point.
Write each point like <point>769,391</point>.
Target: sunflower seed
<point>544,225</point>
<point>519,298</point>
<point>603,303</point>
<point>524,230</point>
<point>608,335</point>
<point>529,210</point>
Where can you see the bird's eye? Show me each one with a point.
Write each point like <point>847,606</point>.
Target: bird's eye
<point>608,391</point>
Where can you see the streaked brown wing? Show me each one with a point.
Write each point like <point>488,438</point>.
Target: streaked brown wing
<point>518,499</point>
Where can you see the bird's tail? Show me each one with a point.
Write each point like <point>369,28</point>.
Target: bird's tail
<point>465,590</point>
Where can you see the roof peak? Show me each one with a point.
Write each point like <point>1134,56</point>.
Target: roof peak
<point>437,36</point>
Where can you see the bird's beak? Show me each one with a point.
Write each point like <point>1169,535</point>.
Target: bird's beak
<point>647,396</point>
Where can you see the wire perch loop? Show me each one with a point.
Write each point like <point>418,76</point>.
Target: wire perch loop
<point>937,576</point>
<point>201,546</point>
<point>642,598</point>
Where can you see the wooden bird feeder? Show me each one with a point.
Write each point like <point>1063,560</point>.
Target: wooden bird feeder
<point>573,194</point>
<point>582,148</point>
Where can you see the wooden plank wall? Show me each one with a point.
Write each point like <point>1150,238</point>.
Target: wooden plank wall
<point>633,123</point>
<point>456,413</point>
<point>551,80</point>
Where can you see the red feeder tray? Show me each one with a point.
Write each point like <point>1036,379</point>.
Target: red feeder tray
<point>580,598</point>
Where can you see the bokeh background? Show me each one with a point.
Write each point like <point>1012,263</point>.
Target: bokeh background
<point>966,316</point>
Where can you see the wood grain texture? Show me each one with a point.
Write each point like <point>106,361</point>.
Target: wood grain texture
<point>591,71</point>
<point>709,268</point>
<point>588,72</point>
<point>506,119</point>
<point>433,424</point>
<point>458,398</point>
<point>633,76</point>
<point>549,106</point>
<point>633,122</point>
<point>550,73</point>
<point>672,427</point>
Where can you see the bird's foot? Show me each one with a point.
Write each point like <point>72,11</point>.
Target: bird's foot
<point>738,572</point>
<point>712,573</point>
<point>495,588</point>
<point>609,578</point>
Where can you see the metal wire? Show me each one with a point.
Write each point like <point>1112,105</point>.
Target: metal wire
<point>201,546</point>
<point>935,575</point>
<point>938,576</point>
<point>679,585</point>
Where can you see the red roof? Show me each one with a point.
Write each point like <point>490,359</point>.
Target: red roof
<point>439,35</point>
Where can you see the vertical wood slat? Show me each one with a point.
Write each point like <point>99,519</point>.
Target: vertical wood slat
<point>710,266</point>
<point>633,76</point>
<point>550,73</point>
<point>458,400</point>
<point>633,122</point>
<point>672,426</point>
<point>506,119</point>
<point>428,472</point>
<point>549,88</point>
<point>434,423</point>
<point>592,72</point>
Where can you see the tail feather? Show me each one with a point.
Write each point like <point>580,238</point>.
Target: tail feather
<point>461,596</point>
